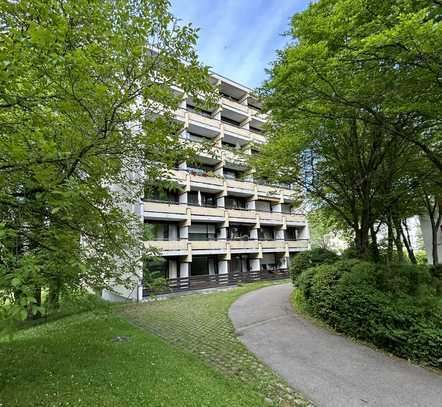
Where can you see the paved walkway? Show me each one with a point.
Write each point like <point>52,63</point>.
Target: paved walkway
<point>329,369</point>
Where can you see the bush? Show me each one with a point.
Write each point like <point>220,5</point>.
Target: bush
<point>397,308</point>
<point>310,258</point>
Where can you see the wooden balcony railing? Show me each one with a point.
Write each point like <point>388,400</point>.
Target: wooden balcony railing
<point>219,280</point>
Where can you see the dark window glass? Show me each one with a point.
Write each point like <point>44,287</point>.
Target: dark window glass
<point>208,200</point>
<point>285,208</point>
<point>156,268</point>
<point>238,232</point>
<point>264,206</point>
<point>192,197</point>
<point>231,174</point>
<point>233,202</point>
<point>239,264</point>
<point>290,234</point>
<point>202,232</point>
<point>203,265</point>
<point>266,233</point>
<point>163,196</point>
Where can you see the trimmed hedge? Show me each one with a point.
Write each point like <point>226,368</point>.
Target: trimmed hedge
<point>304,260</point>
<point>397,308</point>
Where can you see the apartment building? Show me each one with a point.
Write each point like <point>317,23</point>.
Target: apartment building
<point>222,225</point>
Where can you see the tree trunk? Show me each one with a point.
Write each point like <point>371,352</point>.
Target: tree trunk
<point>435,215</point>
<point>374,245</point>
<point>398,242</point>
<point>407,242</point>
<point>389,240</point>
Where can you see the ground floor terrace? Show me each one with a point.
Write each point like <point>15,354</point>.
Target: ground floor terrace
<point>207,271</point>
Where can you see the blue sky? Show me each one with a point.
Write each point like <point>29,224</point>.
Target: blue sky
<point>238,38</point>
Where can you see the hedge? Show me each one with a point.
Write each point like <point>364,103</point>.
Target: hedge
<point>304,260</point>
<point>397,308</point>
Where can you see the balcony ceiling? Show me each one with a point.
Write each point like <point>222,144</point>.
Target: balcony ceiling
<point>202,129</point>
<point>234,115</point>
<point>232,90</point>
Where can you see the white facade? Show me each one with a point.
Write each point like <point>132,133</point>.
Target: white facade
<point>428,239</point>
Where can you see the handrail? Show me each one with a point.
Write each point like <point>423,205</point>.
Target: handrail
<point>161,201</point>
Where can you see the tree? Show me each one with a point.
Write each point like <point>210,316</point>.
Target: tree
<point>346,118</point>
<point>87,107</point>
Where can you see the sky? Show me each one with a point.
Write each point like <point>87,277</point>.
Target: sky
<point>238,38</point>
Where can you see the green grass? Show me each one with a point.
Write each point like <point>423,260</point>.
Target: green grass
<point>199,324</point>
<point>74,361</point>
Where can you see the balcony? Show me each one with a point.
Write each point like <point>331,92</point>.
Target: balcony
<point>274,245</point>
<point>234,156</point>
<point>201,212</point>
<point>249,245</point>
<point>204,122</point>
<point>232,103</point>
<point>258,138</point>
<point>244,188</point>
<point>295,219</point>
<point>218,246</point>
<point>241,214</point>
<point>258,115</point>
<point>164,210</point>
<point>236,131</point>
<point>207,182</point>
<point>169,247</point>
<point>298,245</point>
<point>207,149</point>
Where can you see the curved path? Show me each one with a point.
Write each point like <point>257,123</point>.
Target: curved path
<point>329,369</point>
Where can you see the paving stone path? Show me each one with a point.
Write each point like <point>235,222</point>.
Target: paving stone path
<point>199,324</point>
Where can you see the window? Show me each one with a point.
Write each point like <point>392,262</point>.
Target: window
<point>202,232</point>
<point>266,233</point>
<point>233,202</point>
<point>192,198</point>
<point>291,234</point>
<point>239,263</point>
<point>231,174</point>
<point>208,200</point>
<point>238,232</point>
<point>286,208</point>
<point>159,195</point>
<point>155,268</point>
<point>200,169</point>
<point>160,230</point>
<point>264,206</point>
<point>203,265</point>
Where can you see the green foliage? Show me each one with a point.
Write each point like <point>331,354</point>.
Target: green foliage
<point>81,88</point>
<point>310,258</point>
<point>354,101</point>
<point>397,308</point>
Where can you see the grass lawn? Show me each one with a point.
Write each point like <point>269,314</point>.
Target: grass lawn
<point>199,324</point>
<point>76,361</point>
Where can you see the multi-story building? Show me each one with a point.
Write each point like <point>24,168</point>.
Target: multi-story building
<point>223,221</point>
<point>222,225</point>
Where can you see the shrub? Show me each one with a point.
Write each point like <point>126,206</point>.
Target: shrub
<point>310,258</point>
<point>396,308</point>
